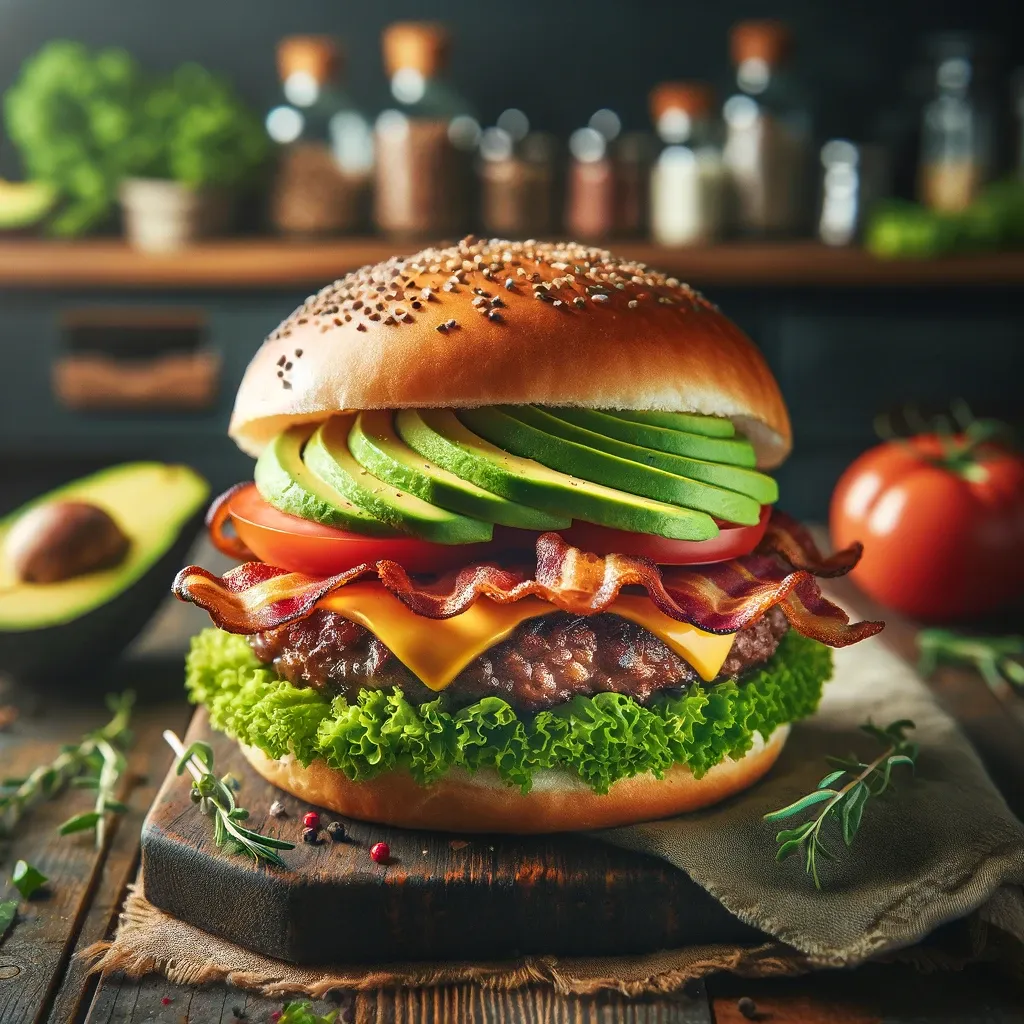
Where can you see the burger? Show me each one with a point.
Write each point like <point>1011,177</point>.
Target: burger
<point>510,560</point>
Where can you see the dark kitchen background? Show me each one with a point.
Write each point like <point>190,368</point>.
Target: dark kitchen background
<point>846,346</point>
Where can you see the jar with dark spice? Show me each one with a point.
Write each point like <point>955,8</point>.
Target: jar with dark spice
<point>424,140</point>
<point>325,157</point>
<point>768,143</point>
<point>517,178</point>
<point>589,187</point>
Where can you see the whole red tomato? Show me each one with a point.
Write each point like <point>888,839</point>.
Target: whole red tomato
<point>942,523</point>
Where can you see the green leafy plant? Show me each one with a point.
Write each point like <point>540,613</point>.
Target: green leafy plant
<point>999,659</point>
<point>83,121</point>
<point>303,1013</point>
<point>27,879</point>
<point>842,795</point>
<point>8,912</point>
<point>216,798</point>
<point>96,762</point>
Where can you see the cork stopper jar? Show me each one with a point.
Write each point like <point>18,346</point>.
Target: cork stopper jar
<point>416,45</point>
<point>320,57</point>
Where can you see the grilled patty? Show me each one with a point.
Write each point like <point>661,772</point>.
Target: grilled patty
<point>545,662</point>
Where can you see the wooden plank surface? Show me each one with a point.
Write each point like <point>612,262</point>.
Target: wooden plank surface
<point>256,262</point>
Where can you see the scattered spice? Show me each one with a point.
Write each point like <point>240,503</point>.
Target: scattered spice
<point>309,836</point>
<point>458,844</point>
<point>166,1001</point>
<point>380,853</point>
<point>748,1008</point>
<point>337,832</point>
<point>311,819</point>
<point>278,810</point>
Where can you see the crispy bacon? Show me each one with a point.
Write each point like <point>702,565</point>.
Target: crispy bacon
<point>722,597</point>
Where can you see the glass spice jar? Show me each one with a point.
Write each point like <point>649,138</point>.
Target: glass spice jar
<point>424,141</point>
<point>325,157</point>
<point>589,187</point>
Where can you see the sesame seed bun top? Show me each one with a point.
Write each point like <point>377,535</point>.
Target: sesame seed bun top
<point>491,322</point>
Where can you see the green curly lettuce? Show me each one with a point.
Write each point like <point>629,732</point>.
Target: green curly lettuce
<point>602,738</point>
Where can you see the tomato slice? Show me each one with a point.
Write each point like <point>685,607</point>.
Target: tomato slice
<point>317,550</point>
<point>731,542</point>
<point>303,546</point>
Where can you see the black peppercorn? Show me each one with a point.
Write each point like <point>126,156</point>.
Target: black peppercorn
<point>748,1008</point>
<point>309,835</point>
<point>336,831</point>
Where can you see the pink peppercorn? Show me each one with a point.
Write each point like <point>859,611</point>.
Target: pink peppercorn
<point>380,853</point>
<point>166,1001</point>
<point>311,819</point>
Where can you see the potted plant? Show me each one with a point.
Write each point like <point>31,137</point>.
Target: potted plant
<point>174,151</point>
<point>202,145</point>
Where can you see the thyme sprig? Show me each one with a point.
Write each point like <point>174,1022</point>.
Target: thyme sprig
<point>96,762</point>
<point>216,798</point>
<point>999,659</point>
<point>858,781</point>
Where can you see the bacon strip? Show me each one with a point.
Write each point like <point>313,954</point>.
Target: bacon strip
<point>720,598</point>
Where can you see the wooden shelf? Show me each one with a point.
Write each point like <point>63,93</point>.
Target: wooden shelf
<point>272,263</point>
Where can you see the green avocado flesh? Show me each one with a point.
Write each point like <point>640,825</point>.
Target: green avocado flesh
<point>283,479</point>
<point>526,430</point>
<point>328,456</point>
<point>439,435</point>
<point>150,501</point>
<point>378,448</point>
<point>601,739</point>
<point>690,423</point>
<point>731,451</point>
<point>760,487</point>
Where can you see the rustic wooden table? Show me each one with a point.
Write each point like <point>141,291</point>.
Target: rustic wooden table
<point>43,979</point>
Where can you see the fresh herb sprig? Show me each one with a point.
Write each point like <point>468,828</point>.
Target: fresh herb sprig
<point>97,762</point>
<point>863,780</point>
<point>303,1013</point>
<point>216,798</point>
<point>999,659</point>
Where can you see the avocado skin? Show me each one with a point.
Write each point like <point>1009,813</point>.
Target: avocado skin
<point>75,654</point>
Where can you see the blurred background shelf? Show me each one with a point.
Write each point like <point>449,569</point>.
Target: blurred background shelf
<point>255,263</point>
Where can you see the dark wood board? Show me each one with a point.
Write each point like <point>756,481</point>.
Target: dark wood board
<point>442,897</point>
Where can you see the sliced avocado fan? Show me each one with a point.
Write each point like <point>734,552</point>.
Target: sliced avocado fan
<point>377,447</point>
<point>439,436</point>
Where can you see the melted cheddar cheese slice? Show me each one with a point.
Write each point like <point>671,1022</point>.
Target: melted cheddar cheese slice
<point>437,650</point>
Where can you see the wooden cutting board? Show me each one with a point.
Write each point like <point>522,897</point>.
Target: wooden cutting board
<point>442,896</point>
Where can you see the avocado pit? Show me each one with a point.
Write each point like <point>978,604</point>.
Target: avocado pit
<point>58,540</point>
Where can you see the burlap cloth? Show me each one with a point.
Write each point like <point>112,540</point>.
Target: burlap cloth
<point>941,848</point>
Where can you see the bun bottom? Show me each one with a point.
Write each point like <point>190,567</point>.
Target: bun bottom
<point>558,802</point>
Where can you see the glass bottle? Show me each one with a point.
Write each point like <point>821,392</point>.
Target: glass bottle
<point>425,140</point>
<point>768,134</point>
<point>517,178</point>
<point>688,177</point>
<point>325,160</point>
<point>958,129</point>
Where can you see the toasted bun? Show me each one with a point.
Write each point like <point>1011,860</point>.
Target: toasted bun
<point>558,802</point>
<point>557,324</point>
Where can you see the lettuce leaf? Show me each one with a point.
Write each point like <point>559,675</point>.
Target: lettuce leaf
<point>602,738</point>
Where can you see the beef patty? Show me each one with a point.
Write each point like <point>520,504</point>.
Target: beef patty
<point>545,662</point>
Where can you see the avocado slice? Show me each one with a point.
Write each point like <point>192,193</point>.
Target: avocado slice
<point>736,451</point>
<point>438,435</point>
<point>689,422</point>
<point>327,455</point>
<point>523,430</point>
<point>759,486</point>
<point>68,631</point>
<point>289,485</point>
<point>378,448</point>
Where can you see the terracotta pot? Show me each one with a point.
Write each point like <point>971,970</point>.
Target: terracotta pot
<point>162,216</point>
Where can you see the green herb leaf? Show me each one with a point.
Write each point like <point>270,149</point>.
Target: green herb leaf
<point>79,823</point>
<point>802,804</point>
<point>303,1013</point>
<point>27,879</point>
<point>8,912</point>
<point>848,801</point>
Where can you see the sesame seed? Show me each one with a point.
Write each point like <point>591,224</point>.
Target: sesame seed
<point>510,284</point>
<point>600,297</point>
<point>360,327</point>
<point>287,385</point>
<point>282,360</point>
<point>495,316</point>
<point>633,303</point>
<point>579,302</point>
<point>389,320</point>
<point>443,328</point>
<point>298,353</point>
<point>450,324</point>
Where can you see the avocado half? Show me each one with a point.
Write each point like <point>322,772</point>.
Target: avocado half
<point>68,631</point>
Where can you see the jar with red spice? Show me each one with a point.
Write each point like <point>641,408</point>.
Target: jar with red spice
<point>424,140</point>
<point>325,158</point>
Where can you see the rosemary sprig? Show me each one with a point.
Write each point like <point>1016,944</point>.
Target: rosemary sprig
<point>216,798</point>
<point>97,762</point>
<point>863,781</point>
<point>999,659</point>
